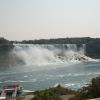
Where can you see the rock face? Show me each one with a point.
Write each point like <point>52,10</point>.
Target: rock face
<point>5,47</point>
<point>6,57</point>
<point>93,50</point>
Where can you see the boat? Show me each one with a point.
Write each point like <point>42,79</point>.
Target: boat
<point>11,91</point>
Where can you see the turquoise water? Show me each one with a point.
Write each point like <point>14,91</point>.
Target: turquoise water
<point>36,77</point>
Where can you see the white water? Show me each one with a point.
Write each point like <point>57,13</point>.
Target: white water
<point>59,66</point>
<point>32,54</point>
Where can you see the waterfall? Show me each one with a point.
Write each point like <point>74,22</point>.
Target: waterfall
<point>50,53</point>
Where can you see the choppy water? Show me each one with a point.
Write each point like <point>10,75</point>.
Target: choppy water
<point>36,77</point>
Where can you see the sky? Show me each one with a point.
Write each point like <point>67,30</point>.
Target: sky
<point>36,19</point>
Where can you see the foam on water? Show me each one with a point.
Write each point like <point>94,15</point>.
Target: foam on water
<point>19,81</point>
<point>67,75</point>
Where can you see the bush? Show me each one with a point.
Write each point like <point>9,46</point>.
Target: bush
<point>91,91</point>
<point>46,96</point>
<point>52,93</point>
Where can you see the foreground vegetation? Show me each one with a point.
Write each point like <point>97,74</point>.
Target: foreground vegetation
<point>88,92</point>
<point>91,91</point>
<point>52,93</point>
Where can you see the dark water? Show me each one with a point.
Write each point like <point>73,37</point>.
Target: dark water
<point>72,75</point>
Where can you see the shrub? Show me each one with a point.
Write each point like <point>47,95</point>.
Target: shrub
<point>52,93</point>
<point>91,91</point>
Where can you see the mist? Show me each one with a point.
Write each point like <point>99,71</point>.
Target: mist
<point>49,54</point>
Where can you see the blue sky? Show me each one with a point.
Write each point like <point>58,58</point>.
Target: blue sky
<point>35,19</point>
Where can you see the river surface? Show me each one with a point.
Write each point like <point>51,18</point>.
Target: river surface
<point>36,77</point>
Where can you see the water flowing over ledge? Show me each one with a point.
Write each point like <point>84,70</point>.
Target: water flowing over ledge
<point>32,54</point>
